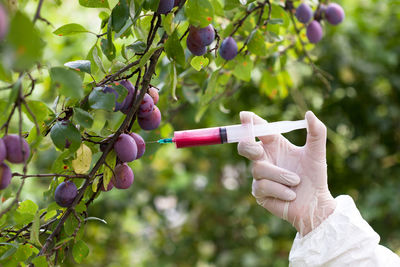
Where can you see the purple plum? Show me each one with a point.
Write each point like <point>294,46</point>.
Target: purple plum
<point>141,145</point>
<point>146,106</point>
<point>314,32</point>
<point>153,92</point>
<point>228,49</point>
<point>334,13</point>
<point>5,175</point>
<point>304,13</point>
<point>124,177</point>
<point>152,122</point>
<point>125,148</point>
<point>15,152</point>
<point>3,150</point>
<point>165,6</point>
<point>65,193</point>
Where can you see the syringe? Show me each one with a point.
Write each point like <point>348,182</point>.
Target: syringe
<point>230,133</point>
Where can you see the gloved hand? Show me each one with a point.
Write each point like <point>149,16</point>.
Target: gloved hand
<point>290,181</point>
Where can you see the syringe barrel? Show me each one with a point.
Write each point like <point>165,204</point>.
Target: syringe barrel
<point>236,133</point>
<point>200,137</point>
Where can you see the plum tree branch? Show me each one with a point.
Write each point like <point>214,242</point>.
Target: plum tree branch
<point>24,176</point>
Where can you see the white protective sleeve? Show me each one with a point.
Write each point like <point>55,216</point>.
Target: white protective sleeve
<point>343,239</point>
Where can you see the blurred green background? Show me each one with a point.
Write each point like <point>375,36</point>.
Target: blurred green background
<point>193,207</point>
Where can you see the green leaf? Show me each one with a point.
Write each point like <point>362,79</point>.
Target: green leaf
<point>199,62</point>
<point>34,238</point>
<point>70,29</point>
<point>119,15</point>
<point>25,41</point>
<point>70,225</point>
<point>199,12</point>
<point>68,82</point>
<point>94,3</point>
<point>25,212</point>
<point>108,49</point>
<point>83,117</point>
<point>98,99</point>
<point>81,207</point>
<point>80,251</point>
<point>137,47</point>
<point>256,44</point>
<point>40,261</point>
<point>39,109</point>
<point>110,160</point>
<point>8,253</point>
<point>65,135</point>
<point>50,214</point>
<point>243,68</point>
<point>80,65</point>
<point>94,57</point>
<point>168,24</point>
<point>173,80</point>
<point>174,49</point>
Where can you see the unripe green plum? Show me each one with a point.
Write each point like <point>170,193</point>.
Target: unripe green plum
<point>124,177</point>
<point>15,152</point>
<point>65,193</point>
<point>5,175</point>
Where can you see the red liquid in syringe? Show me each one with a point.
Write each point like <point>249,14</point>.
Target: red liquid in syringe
<point>200,137</point>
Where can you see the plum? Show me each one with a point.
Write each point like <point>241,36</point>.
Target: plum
<point>177,2</point>
<point>195,47</point>
<point>3,22</point>
<point>109,186</point>
<point>3,150</point>
<point>165,6</point>
<point>141,145</point>
<point>125,148</point>
<point>152,122</point>
<point>202,36</point>
<point>15,152</point>
<point>128,101</point>
<point>228,48</point>
<point>124,177</point>
<point>146,106</point>
<point>304,13</point>
<point>5,175</point>
<point>334,13</point>
<point>65,193</point>
<point>314,32</point>
<point>153,92</point>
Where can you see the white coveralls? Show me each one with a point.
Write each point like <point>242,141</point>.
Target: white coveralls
<point>343,239</point>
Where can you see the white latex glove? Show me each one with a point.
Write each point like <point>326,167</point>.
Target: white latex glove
<point>290,181</point>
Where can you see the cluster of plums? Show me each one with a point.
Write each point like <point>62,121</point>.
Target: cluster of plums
<point>14,149</point>
<point>149,116</point>
<point>332,13</point>
<point>199,38</point>
<point>128,147</point>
